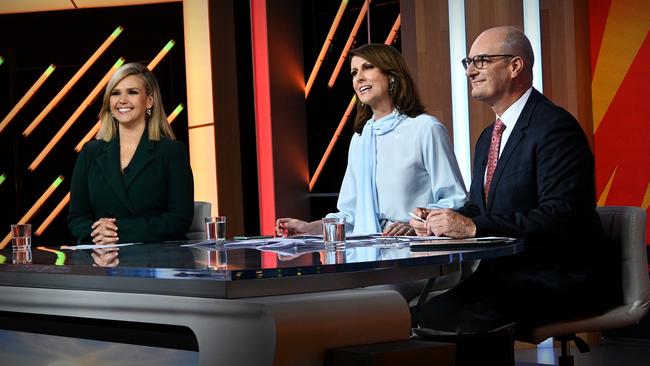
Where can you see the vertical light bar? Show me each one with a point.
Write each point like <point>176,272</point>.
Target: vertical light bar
<point>172,116</point>
<point>73,81</point>
<point>337,133</point>
<point>73,118</point>
<point>161,54</point>
<point>348,44</point>
<point>3,177</point>
<point>533,31</point>
<point>326,46</point>
<point>459,101</point>
<point>200,110</point>
<point>35,207</point>
<point>262,86</point>
<point>152,65</point>
<point>30,93</point>
<point>53,215</point>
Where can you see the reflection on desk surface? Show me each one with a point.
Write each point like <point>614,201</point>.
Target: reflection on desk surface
<point>235,261</point>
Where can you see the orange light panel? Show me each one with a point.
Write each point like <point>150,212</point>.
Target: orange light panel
<point>53,215</point>
<point>348,44</point>
<point>35,207</point>
<point>30,93</point>
<point>72,81</point>
<point>89,99</point>
<point>326,46</point>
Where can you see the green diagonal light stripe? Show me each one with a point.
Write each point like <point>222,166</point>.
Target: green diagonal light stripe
<point>3,177</point>
<point>117,32</point>
<point>3,259</point>
<point>57,181</point>
<point>178,109</point>
<point>2,60</point>
<point>169,45</point>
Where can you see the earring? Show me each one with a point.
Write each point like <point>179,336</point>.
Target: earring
<point>149,112</point>
<point>391,86</point>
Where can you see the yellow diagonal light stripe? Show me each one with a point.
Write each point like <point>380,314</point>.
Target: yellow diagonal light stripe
<point>30,93</point>
<point>73,118</point>
<point>62,93</point>
<point>64,202</point>
<point>646,198</point>
<point>37,205</point>
<point>161,54</point>
<point>603,196</point>
<point>627,26</point>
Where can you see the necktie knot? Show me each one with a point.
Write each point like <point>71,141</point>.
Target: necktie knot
<point>499,126</point>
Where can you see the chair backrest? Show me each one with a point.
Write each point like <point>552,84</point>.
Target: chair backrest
<point>626,226</point>
<point>197,229</point>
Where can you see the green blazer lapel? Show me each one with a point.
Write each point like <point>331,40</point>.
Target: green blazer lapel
<point>144,154</point>
<point>109,162</point>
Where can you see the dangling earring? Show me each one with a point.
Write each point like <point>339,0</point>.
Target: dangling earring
<point>149,112</point>
<point>391,86</point>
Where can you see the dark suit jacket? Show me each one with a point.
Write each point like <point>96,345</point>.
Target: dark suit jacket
<point>543,192</point>
<point>152,201</point>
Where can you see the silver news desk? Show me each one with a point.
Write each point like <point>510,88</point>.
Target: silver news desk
<point>240,306</point>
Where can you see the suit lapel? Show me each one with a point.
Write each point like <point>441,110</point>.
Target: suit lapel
<point>515,138</point>
<point>109,162</point>
<point>142,157</point>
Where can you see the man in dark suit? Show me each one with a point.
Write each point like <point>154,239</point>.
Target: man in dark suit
<point>533,178</point>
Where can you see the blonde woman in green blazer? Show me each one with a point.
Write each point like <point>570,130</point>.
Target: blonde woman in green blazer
<point>134,182</point>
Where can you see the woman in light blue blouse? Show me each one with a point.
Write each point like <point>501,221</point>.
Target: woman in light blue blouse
<point>400,158</point>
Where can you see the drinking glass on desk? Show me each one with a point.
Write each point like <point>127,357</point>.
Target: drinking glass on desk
<point>334,232</point>
<point>21,236</point>
<point>215,228</point>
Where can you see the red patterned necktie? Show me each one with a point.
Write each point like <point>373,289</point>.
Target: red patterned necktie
<point>493,155</point>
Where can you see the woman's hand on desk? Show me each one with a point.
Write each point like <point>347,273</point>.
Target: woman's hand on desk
<point>286,226</point>
<point>106,257</point>
<point>104,231</point>
<point>399,228</point>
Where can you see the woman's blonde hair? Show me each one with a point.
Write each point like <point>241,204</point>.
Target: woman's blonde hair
<point>157,125</point>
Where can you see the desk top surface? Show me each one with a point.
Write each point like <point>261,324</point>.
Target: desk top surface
<point>229,263</point>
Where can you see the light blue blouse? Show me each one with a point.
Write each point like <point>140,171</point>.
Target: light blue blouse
<point>416,167</point>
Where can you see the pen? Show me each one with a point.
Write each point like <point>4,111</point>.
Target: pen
<point>416,217</point>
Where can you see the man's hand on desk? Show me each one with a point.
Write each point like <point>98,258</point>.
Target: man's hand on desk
<point>446,222</point>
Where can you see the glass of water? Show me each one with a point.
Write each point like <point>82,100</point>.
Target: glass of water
<point>215,228</point>
<point>334,232</point>
<point>21,236</point>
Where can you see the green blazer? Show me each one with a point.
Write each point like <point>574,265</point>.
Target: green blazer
<point>152,201</point>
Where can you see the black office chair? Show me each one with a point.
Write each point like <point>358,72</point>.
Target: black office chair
<point>626,226</point>
<point>197,228</point>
